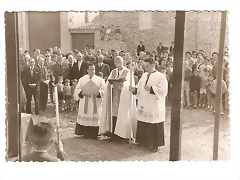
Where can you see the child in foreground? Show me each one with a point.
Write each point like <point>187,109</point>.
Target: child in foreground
<point>213,89</point>
<point>40,141</point>
<point>67,94</point>
<point>60,88</point>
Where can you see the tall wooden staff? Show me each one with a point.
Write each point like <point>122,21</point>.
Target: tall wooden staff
<point>57,113</point>
<point>131,127</point>
<point>111,119</point>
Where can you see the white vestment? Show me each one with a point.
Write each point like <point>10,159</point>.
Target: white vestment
<point>126,118</point>
<point>89,118</point>
<point>151,107</point>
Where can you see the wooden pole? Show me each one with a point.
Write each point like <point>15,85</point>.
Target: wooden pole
<point>111,117</point>
<point>176,101</point>
<point>57,113</point>
<point>131,127</point>
<point>218,98</point>
<point>18,90</point>
<point>12,62</point>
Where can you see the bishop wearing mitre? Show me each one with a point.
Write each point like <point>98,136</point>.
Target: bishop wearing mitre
<point>151,92</point>
<point>118,120</point>
<point>89,92</point>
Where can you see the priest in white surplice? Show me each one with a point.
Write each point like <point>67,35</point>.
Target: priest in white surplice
<point>151,93</point>
<point>123,126</point>
<point>90,106</point>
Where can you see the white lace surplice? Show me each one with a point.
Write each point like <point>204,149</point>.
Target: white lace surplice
<point>151,107</point>
<point>90,118</point>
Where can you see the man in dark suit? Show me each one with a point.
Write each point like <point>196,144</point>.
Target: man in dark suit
<point>110,60</point>
<point>101,67</point>
<point>41,138</point>
<point>160,49</point>
<point>90,58</point>
<point>45,78</point>
<point>171,49</point>
<point>59,69</point>
<point>79,67</point>
<point>140,48</point>
<point>31,77</point>
<point>71,69</point>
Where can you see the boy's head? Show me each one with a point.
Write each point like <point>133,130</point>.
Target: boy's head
<point>196,72</point>
<point>148,54</point>
<point>170,55</point>
<point>163,63</point>
<point>194,54</point>
<point>60,79</point>
<point>164,71</point>
<point>165,54</point>
<point>74,82</point>
<point>42,136</point>
<point>67,82</point>
<point>214,55</point>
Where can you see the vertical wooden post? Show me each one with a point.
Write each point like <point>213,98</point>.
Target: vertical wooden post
<point>218,98</point>
<point>12,62</point>
<point>176,101</point>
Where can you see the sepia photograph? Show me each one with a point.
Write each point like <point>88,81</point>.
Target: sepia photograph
<point>117,86</point>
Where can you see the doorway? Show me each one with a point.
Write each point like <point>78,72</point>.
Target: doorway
<point>80,40</point>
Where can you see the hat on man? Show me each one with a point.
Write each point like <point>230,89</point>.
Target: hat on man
<point>75,80</point>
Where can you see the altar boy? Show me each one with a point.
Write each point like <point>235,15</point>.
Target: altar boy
<point>40,140</point>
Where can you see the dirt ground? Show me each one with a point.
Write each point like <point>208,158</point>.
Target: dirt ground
<point>197,139</point>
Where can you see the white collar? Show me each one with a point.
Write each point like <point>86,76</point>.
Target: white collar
<point>40,151</point>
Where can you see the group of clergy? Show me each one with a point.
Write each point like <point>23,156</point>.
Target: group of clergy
<point>120,109</point>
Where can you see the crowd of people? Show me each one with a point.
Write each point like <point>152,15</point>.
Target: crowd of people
<point>83,84</point>
<point>110,32</point>
<point>200,72</point>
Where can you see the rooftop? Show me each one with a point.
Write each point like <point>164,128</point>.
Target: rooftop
<point>87,26</point>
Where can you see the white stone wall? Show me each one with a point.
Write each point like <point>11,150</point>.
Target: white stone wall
<point>76,19</point>
<point>65,34</point>
<point>23,31</point>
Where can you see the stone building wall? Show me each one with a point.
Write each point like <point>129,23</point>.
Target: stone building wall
<point>202,29</point>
